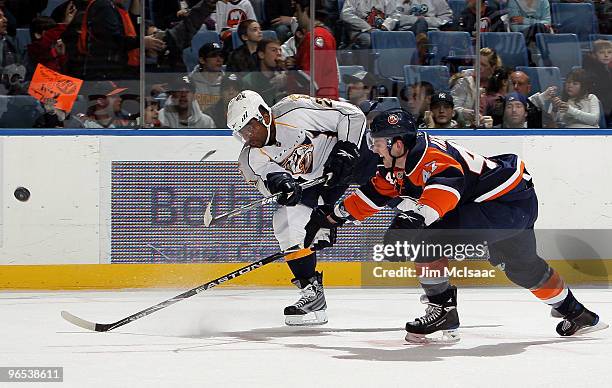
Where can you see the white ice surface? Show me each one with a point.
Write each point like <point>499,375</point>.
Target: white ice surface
<point>236,337</point>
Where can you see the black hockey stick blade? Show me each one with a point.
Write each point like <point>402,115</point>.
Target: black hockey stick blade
<point>80,322</point>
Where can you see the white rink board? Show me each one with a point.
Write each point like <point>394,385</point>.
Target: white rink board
<point>508,340</point>
<point>67,219</point>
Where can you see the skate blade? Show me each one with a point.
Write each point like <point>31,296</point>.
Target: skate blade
<point>313,318</point>
<point>590,329</point>
<point>439,337</point>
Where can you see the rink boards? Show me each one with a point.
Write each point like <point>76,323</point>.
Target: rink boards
<point>111,209</point>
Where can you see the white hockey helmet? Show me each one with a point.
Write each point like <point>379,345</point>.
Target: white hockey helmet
<point>244,107</point>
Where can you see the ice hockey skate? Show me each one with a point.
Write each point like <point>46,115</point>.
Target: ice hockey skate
<point>439,324</point>
<point>310,308</point>
<point>580,322</point>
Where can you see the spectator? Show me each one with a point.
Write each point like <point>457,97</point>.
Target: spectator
<point>419,16</point>
<point>464,90</point>
<point>230,13</point>
<point>326,65</point>
<point>280,14</point>
<point>289,48</point>
<point>362,17</point>
<point>167,13</point>
<point>416,99</point>
<point>230,87</point>
<point>530,17</point>
<point>108,41</point>
<point>490,17</point>
<point>105,107</point>
<point>515,111</point>
<point>47,47</point>
<point>441,112</point>
<point>11,68</point>
<point>577,107</point>
<point>271,79</point>
<point>207,76</point>
<point>151,113</point>
<point>495,92</point>
<point>359,86</point>
<point>244,58</point>
<point>598,66</point>
<point>522,85</point>
<point>11,20</point>
<point>181,109</point>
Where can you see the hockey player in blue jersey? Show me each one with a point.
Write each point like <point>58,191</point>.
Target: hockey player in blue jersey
<point>455,190</point>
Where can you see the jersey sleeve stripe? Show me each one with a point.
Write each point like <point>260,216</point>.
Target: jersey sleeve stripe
<point>505,187</point>
<point>445,188</point>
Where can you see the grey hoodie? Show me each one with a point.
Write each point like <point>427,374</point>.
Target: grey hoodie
<point>169,117</point>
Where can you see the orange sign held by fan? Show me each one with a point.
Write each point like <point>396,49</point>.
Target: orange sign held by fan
<point>49,85</point>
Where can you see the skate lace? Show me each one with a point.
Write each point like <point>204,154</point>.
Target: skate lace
<point>432,312</point>
<point>307,295</point>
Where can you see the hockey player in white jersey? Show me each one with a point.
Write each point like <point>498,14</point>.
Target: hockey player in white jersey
<point>299,139</point>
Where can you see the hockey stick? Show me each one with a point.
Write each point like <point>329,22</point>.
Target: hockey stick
<point>210,220</point>
<point>187,294</point>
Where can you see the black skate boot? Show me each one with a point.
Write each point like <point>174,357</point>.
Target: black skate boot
<point>440,316</point>
<point>310,308</point>
<point>580,321</point>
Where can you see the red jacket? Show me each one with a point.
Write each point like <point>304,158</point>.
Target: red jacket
<point>43,50</point>
<point>326,74</point>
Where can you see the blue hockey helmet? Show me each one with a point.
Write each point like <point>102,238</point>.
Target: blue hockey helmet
<point>394,124</point>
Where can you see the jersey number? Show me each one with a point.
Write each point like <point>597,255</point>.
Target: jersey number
<point>325,102</point>
<point>474,161</point>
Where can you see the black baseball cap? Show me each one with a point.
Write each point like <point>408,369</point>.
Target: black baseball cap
<point>360,76</point>
<point>442,98</point>
<point>210,49</point>
<point>105,89</point>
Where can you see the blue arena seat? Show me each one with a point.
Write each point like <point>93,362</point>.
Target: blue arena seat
<point>346,70</point>
<point>574,18</point>
<point>542,77</point>
<point>51,5</point>
<point>393,50</point>
<point>446,45</point>
<point>510,46</point>
<point>23,39</point>
<point>19,111</point>
<point>267,34</point>
<point>438,76</point>
<point>560,50</point>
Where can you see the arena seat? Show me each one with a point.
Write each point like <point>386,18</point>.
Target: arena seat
<point>560,50</point>
<point>346,70</point>
<point>510,46</point>
<point>438,76</point>
<point>446,45</point>
<point>389,61</point>
<point>542,77</point>
<point>574,18</point>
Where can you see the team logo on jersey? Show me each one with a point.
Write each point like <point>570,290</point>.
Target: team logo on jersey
<point>235,16</point>
<point>319,41</point>
<point>300,160</point>
<point>428,169</point>
<point>393,119</point>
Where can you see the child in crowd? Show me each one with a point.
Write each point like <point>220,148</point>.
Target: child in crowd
<point>598,65</point>
<point>577,107</point>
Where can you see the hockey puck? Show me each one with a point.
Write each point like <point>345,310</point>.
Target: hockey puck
<point>22,194</point>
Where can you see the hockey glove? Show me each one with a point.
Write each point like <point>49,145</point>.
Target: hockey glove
<point>408,220</point>
<point>404,229</point>
<point>282,182</point>
<point>320,229</point>
<point>340,163</point>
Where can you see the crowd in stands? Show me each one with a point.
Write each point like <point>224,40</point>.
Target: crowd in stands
<point>200,53</point>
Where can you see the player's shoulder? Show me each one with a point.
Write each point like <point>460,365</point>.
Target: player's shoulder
<point>324,38</point>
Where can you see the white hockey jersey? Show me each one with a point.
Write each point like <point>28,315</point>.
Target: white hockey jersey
<point>230,14</point>
<point>307,128</point>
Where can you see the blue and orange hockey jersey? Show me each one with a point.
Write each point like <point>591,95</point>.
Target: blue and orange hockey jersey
<point>442,175</point>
